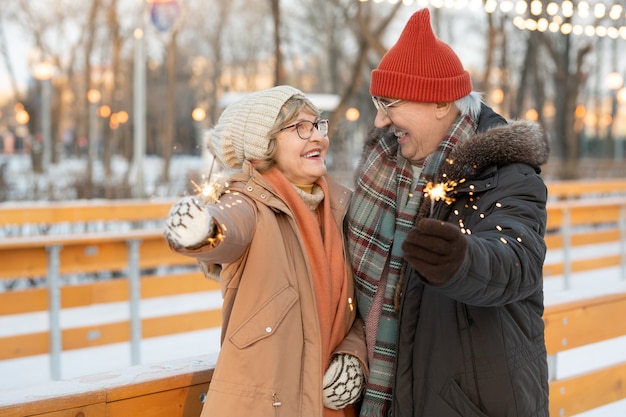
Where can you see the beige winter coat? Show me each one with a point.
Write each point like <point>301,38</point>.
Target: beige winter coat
<point>269,363</point>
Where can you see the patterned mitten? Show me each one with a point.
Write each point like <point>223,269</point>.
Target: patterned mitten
<point>188,224</point>
<point>343,382</point>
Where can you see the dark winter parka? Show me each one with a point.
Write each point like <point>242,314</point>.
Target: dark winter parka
<point>474,346</point>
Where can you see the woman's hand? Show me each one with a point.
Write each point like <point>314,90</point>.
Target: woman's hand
<point>189,224</point>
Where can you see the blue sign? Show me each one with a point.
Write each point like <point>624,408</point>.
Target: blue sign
<point>164,14</point>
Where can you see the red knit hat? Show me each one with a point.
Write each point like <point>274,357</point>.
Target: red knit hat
<point>420,67</point>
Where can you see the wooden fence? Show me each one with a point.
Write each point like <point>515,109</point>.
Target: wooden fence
<point>126,237</point>
<point>587,189</point>
<point>138,254</point>
<point>176,388</point>
<point>576,224</point>
<point>580,323</point>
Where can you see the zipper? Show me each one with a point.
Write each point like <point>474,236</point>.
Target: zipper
<point>276,403</point>
<point>468,321</point>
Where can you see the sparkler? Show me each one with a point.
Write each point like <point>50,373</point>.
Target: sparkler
<point>209,191</point>
<point>439,192</point>
<point>211,188</point>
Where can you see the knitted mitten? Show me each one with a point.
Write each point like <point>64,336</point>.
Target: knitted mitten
<point>188,224</point>
<point>343,382</point>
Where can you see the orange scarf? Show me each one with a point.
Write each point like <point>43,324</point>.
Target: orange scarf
<point>327,267</point>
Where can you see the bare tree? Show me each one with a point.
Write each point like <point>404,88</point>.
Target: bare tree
<point>215,41</point>
<point>114,29</point>
<point>568,80</point>
<point>321,46</point>
<point>279,72</point>
<point>367,27</point>
<point>170,103</point>
<point>90,36</point>
<point>4,51</point>
<point>61,50</point>
<point>492,36</point>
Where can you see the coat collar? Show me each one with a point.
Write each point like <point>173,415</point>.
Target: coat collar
<point>522,141</point>
<point>254,185</point>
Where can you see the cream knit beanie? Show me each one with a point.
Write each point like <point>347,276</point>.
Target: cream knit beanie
<point>242,130</point>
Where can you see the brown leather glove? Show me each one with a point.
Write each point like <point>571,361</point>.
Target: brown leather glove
<point>435,249</point>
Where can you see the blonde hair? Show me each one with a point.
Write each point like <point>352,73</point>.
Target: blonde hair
<point>288,113</point>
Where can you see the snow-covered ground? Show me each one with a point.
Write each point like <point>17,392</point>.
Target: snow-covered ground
<point>60,183</point>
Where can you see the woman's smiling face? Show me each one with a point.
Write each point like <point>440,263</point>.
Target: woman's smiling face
<point>302,161</point>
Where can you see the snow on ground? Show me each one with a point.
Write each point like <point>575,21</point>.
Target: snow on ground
<point>60,183</point>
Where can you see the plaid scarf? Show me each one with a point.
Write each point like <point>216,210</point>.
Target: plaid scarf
<point>383,210</point>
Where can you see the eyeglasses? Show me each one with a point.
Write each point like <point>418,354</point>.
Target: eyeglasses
<point>305,128</point>
<point>383,105</point>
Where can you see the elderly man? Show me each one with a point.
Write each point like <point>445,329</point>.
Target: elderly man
<point>446,231</point>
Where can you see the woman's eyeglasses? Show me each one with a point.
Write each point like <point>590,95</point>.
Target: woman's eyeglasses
<point>305,128</point>
<point>383,105</point>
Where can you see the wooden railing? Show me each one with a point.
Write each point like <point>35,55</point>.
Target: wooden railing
<point>593,188</point>
<point>581,323</point>
<point>582,223</point>
<point>136,254</point>
<point>584,213</point>
<point>126,237</point>
<point>176,388</point>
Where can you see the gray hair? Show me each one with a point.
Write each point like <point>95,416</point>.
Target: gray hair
<point>470,104</point>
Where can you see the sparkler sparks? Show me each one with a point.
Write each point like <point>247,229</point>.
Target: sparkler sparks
<point>209,192</point>
<point>211,188</point>
<point>439,192</point>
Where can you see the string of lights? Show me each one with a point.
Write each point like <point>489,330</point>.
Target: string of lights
<point>584,17</point>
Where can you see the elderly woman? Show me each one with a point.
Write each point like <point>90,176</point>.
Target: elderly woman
<point>291,345</point>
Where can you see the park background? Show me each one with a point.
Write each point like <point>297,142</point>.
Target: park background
<point>111,82</point>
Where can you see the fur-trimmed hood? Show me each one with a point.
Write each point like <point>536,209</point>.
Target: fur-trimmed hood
<point>521,141</point>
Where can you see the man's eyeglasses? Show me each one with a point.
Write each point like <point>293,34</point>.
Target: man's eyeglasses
<point>383,105</point>
<point>305,128</point>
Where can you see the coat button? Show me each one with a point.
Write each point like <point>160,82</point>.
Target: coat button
<point>249,188</point>
<point>263,196</point>
<point>268,330</point>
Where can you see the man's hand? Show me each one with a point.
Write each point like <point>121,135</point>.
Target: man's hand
<point>435,249</point>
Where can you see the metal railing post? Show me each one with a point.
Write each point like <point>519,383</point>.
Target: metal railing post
<point>552,367</point>
<point>54,310</point>
<point>622,240</point>
<point>567,249</point>
<point>134,297</point>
